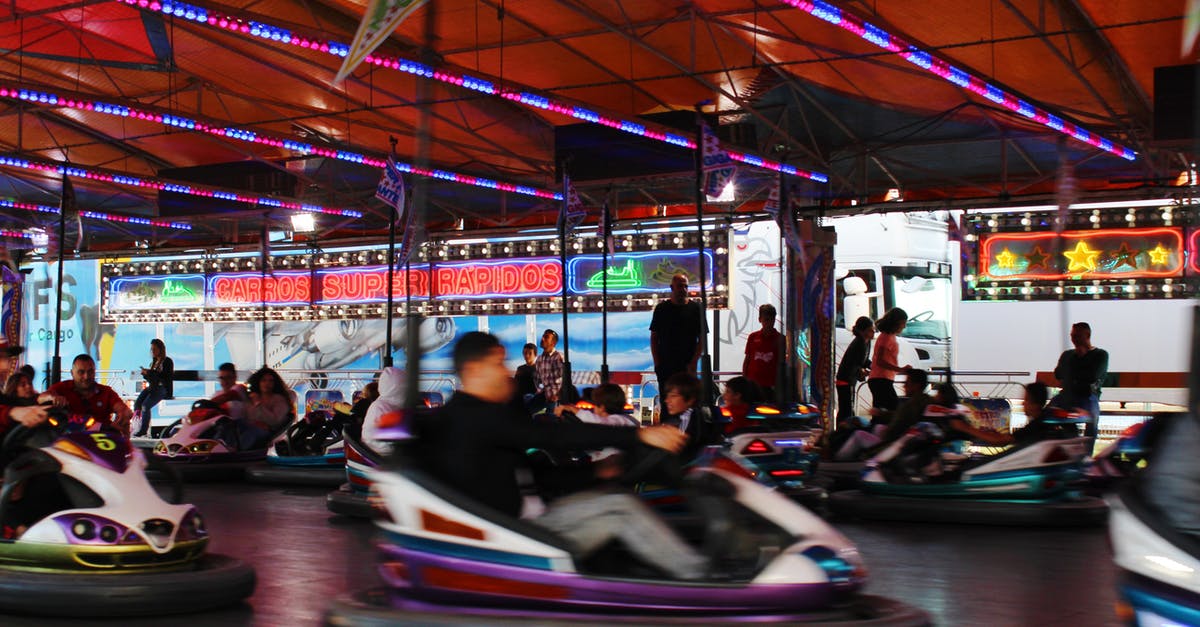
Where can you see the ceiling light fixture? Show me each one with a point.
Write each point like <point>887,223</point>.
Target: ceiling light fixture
<point>303,222</point>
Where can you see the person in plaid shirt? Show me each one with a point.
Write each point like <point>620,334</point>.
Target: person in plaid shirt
<point>549,368</point>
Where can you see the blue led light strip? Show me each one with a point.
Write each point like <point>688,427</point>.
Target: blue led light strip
<point>120,178</point>
<point>940,67</point>
<point>261,30</point>
<point>153,114</point>
<point>96,215</point>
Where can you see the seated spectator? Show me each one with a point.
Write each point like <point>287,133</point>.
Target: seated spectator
<point>476,444</point>
<point>682,395</point>
<point>740,395</point>
<point>854,439</point>
<point>233,397</point>
<point>390,401</point>
<point>19,392</point>
<point>608,408</point>
<point>269,411</point>
<point>85,397</point>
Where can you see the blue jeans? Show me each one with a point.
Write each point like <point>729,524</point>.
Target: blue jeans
<point>145,403</point>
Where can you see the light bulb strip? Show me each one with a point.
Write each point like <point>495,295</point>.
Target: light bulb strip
<point>15,234</point>
<point>121,178</point>
<point>151,114</point>
<point>943,68</point>
<point>261,30</point>
<point>97,215</point>
<point>100,215</point>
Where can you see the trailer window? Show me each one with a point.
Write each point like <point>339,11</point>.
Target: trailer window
<point>927,301</point>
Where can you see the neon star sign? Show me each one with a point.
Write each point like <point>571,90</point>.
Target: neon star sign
<point>1082,258</point>
<point>1130,253</point>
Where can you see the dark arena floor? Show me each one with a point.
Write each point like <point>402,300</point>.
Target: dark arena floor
<point>961,575</point>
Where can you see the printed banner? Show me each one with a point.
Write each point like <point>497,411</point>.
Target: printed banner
<point>989,413</point>
<point>718,168</point>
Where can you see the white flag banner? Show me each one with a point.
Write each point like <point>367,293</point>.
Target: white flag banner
<point>572,213</point>
<point>379,20</point>
<point>391,186</point>
<point>718,168</point>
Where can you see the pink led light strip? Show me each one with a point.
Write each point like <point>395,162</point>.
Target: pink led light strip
<point>261,30</point>
<point>940,67</point>
<point>84,102</point>
<point>190,189</point>
<point>97,215</point>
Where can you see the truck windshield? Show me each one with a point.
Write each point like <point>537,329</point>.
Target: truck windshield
<point>927,301</point>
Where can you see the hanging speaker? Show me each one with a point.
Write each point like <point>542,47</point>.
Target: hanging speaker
<point>1176,102</point>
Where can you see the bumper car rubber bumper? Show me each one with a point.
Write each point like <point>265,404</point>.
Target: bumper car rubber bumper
<point>1086,511</point>
<point>378,607</point>
<point>210,582</point>
<point>346,502</point>
<point>330,477</point>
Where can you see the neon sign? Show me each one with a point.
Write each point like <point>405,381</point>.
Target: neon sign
<point>1132,253</point>
<point>637,273</point>
<point>452,280</point>
<point>637,278</point>
<point>253,288</point>
<point>156,292</point>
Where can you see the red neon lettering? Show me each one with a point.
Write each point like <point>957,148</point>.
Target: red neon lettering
<point>510,279</point>
<point>445,281</point>
<point>552,277</point>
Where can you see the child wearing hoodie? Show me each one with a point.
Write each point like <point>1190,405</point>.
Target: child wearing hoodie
<point>390,401</point>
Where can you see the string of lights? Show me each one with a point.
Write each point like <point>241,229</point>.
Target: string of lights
<point>153,114</point>
<point>525,96</point>
<point>97,215</point>
<point>943,68</point>
<point>120,178</point>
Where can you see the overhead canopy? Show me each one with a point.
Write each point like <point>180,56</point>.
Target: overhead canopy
<point>784,84</point>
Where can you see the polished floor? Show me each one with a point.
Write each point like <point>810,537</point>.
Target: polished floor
<point>961,575</point>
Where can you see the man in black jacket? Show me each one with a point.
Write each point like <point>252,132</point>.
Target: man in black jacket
<point>1081,372</point>
<point>477,443</point>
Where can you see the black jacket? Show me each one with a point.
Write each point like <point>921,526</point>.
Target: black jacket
<point>476,447</point>
<point>164,378</point>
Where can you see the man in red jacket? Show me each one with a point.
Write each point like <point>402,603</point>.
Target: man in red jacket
<point>86,397</point>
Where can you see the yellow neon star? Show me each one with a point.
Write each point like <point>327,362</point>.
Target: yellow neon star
<point>1158,256</point>
<point>1006,259</point>
<point>1082,258</point>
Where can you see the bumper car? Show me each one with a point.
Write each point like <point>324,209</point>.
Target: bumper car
<point>782,460</point>
<point>776,444</point>
<point>444,554</point>
<point>919,477</point>
<point>350,499</point>
<point>85,534</point>
<point>1160,566</point>
<point>310,452</point>
<point>1128,455</point>
<point>205,447</point>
